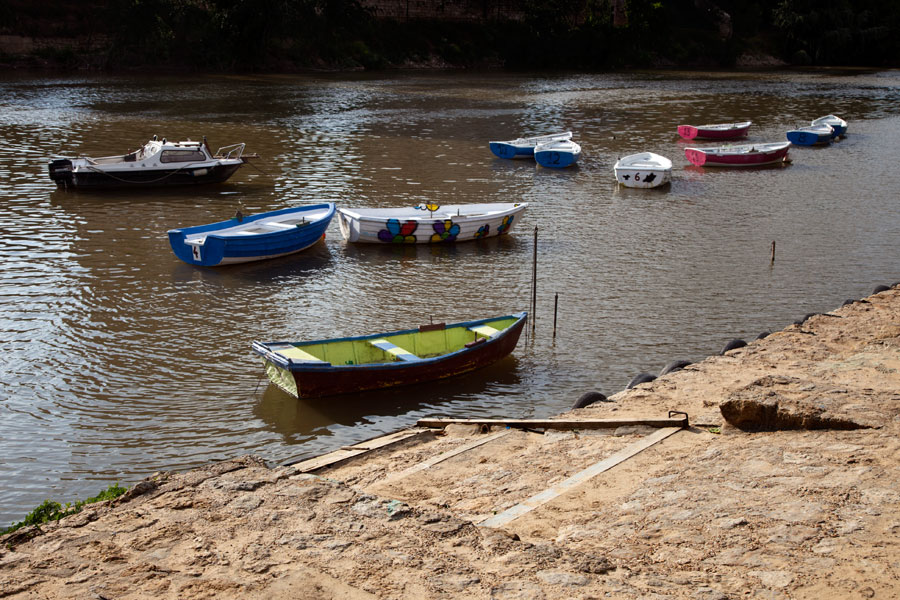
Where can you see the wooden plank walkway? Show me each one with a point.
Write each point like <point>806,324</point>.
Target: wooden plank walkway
<point>426,464</point>
<point>542,498</point>
<point>348,452</point>
<point>558,423</point>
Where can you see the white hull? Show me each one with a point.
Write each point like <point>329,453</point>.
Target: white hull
<point>418,225</point>
<point>644,170</point>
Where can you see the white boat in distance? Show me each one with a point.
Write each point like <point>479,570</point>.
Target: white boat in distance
<point>837,124</point>
<point>156,163</point>
<point>429,223</point>
<point>524,147</point>
<point>644,170</point>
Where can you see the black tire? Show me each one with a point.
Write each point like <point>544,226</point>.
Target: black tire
<point>675,365</point>
<point>732,345</point>
<point>805,318</point>
<point>639,379</point>
<point>589,398</point>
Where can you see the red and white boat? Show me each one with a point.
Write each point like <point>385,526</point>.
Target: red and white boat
<point>719,131</point>
<point>739,155</point>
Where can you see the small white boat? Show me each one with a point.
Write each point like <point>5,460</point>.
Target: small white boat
<point>557,154</point>
<point>644,170</point>
<point>837,124</point>
<point>524,147</point>
<point>156,163</point>
<point>429,223</point>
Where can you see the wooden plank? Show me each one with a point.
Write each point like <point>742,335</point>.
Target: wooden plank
<point>537,500</point>
<point>348,452</point>
<point>557,423</point>
<point>427,464</point>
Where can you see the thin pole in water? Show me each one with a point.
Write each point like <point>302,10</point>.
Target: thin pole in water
<point>555,305</point>
<point>773,252</point>
<point>534,279</point>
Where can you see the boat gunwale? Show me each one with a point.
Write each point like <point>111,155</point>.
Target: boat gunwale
<point>211,228</point>
<point>737,149</point>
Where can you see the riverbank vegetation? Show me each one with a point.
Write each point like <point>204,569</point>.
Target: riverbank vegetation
<point>50,510</point>
<point>291,35</point>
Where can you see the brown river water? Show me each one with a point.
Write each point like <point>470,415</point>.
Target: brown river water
<point>118,360</point>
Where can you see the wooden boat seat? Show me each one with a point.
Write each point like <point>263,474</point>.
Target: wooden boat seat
<point>397,351</point>
<point>485,330</point>
<point>295,353</point>
<point>279,225</point>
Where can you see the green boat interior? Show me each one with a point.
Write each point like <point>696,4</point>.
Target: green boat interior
<point>428,341</point>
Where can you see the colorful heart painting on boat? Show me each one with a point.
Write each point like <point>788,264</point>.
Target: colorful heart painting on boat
<point>399,233</point>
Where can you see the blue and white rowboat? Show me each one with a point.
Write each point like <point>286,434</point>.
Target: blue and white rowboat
<point>813,135</point>
<point>257,237</point>
<point>557,154</point>
<point>524,147</point>
<point>838,124</point>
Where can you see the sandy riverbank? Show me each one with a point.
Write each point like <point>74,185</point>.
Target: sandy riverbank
<point>807,508</point>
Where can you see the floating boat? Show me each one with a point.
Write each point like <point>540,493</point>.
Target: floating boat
<point>812,135</point>
<point>719,131</point>
<point>524,147</point>
<point>742,155</point>
<point>428,223</point>
<point>257,237</point>
<point>348,365</point>
<point>156,163</point>
<point>838,124</point>
<point>557,154</point>
<point>644,170</point>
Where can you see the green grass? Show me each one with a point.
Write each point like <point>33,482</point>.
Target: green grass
<point>54,511</point>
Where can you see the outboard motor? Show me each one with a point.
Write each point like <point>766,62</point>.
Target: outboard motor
<point>61,171</point>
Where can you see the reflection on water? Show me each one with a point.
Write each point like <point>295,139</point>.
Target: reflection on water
<point>119,360</point>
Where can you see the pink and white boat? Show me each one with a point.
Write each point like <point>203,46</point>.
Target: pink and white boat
<point>719,131</point>
<point>742,155</point>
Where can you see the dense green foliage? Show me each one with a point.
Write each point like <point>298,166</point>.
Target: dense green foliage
<point>285,35</point>
<point>54,511</point>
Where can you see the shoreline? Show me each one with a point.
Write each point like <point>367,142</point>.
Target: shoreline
<point>784,485</point>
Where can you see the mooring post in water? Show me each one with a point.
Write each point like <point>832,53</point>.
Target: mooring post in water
<point>555,305</point>
<point>534,280</point>
<point>773,252</point>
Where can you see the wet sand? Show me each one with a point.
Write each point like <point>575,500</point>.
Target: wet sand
<point>796,494</point>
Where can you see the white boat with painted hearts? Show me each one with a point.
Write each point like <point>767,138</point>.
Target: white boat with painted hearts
<point>644,170</point>
<point>429,223</point>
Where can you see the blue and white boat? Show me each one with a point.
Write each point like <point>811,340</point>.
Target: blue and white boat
<point>257,237</point>
<point>524,147</point>
<point>838,124</point>
<point>812,135</point>
<point>557,154</point>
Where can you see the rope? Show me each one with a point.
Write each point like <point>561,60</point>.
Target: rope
<point>186,165</point>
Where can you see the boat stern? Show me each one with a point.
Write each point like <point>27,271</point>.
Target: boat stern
<point>60,170</point>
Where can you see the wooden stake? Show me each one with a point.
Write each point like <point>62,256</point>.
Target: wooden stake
<point>534,280</point>
<point>555,305</point>
<point>773,252</point>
